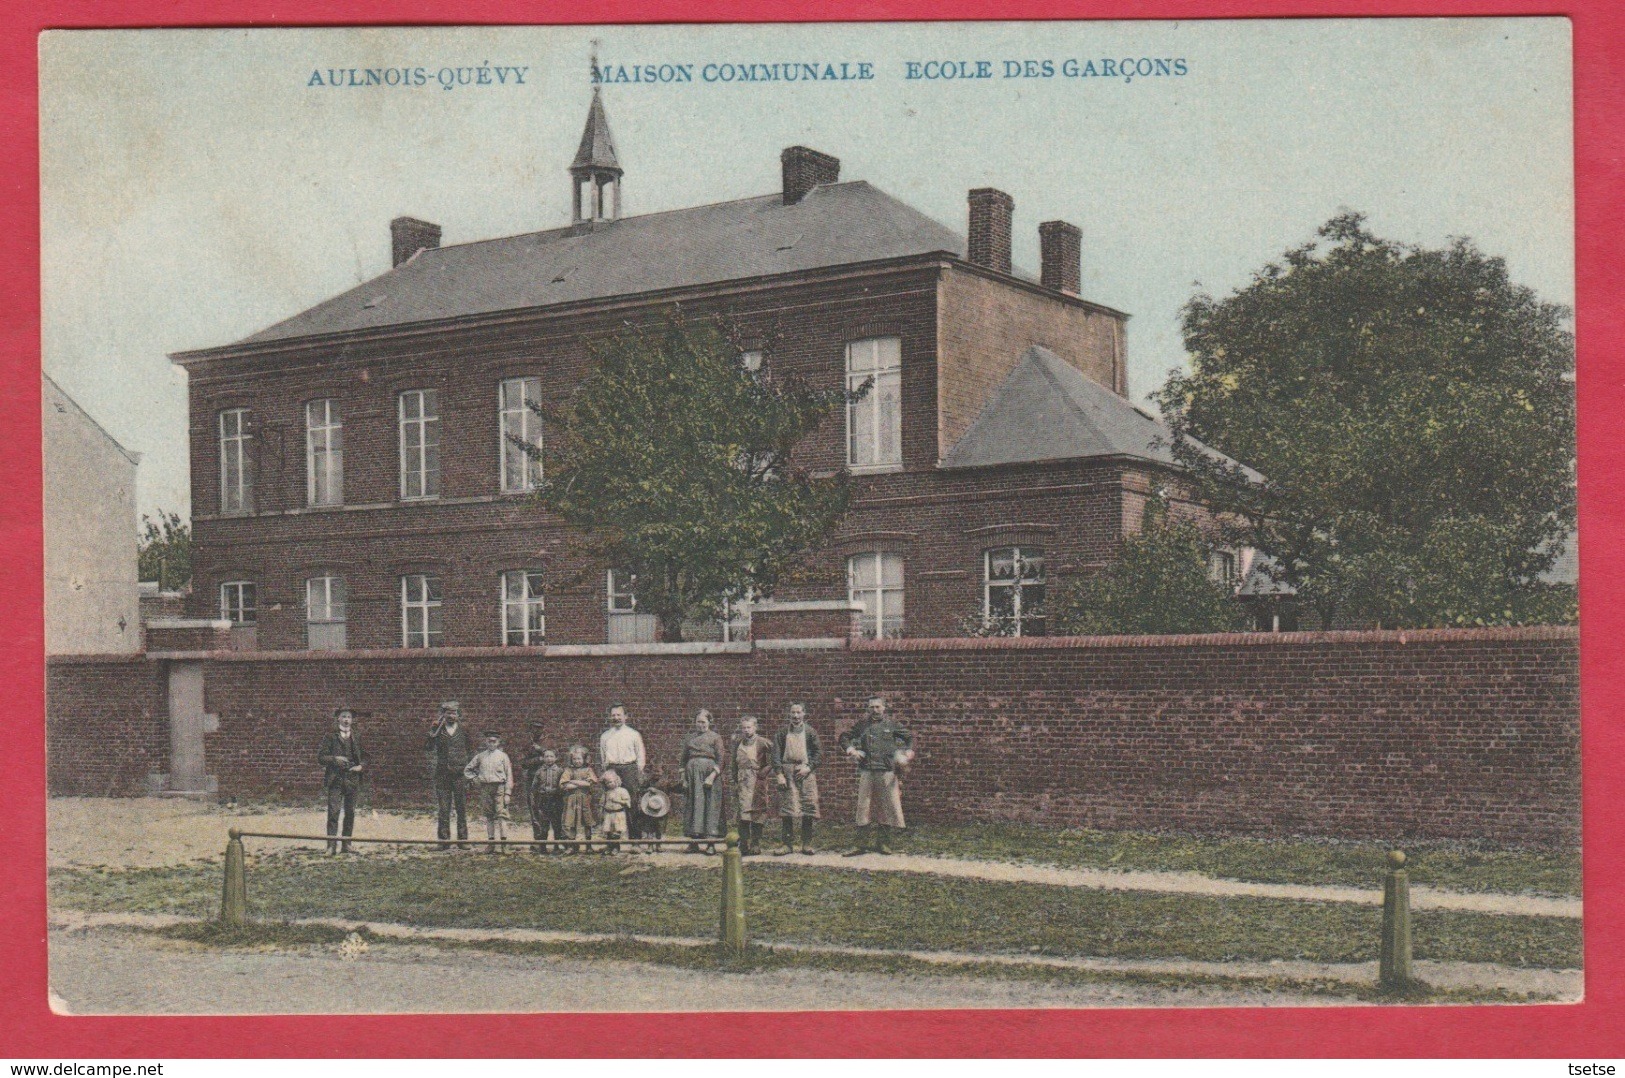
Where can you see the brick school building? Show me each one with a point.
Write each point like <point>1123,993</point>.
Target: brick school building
<point>354,485</point>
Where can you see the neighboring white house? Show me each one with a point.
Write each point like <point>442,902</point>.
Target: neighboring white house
<point>91,597</point>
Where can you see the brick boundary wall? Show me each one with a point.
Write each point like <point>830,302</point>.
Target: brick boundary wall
<point>1465,734</point>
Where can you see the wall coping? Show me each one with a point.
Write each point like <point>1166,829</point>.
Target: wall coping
<point>1341,636</point>
<point>1036,643</point>
<point>188,623</point>
<point>815,643</point>
<point>693,647</point>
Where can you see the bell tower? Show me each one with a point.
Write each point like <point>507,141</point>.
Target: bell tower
<point>595,175</point>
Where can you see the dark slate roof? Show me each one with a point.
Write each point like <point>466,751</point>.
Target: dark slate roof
<point>1047,409</point>
<point>597,148</point>
<point>834,225</point>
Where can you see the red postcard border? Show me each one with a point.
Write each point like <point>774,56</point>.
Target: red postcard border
<point>1592,1028</point>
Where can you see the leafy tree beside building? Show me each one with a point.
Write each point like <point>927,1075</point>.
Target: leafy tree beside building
<point>1412,413</point>
<point>1161,582</point>
<point>164,553</point>
<point>675,459</point>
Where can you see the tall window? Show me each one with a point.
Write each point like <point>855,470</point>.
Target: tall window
<point>324,453</point>
<point>420,611</point>
<point>874,422</point>
<point>325,610</point>
<point>420,444</point>
<point>236,462</point>
<point>876,581</point>
<point>237,602</point>
<point>1221,567</point>
<point>520,470</point>
<point>523,617</point>
<point>1013,590</point>
<point>626,624</point>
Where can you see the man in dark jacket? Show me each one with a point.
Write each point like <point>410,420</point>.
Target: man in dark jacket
<point>449,752</point>
<point>796,755</point>
<point>879,746</point>
<point>340,757</point>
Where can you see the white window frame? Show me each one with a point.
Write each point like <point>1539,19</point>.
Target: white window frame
<point>751,359</point>
<point>427,426</point>
<point>236,437</point>
<point>324,453</point>
<point>624,623</point>
<point>1224,567</point>
<point>734,623</point>
<point>1019,620</point>
<point>239,602</point>
<point>326,613</point>
<point>530,604</point>
<point>418,615</point>
<point>879,358</point>
<point>519,420</point>
<point>877,622</point>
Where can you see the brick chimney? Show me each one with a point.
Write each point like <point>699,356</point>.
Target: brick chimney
<point>408,236</point>
<point>1061,255</point>
<point>990,214</point>
<point>805,169</point>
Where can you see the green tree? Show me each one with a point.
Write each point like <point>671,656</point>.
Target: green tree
<point>677,464</point>
<point>165,550</point>
<point>1159,583</point>
<point>1412,414</point>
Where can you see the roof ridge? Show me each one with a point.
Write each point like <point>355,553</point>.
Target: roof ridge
<point>643,217</point>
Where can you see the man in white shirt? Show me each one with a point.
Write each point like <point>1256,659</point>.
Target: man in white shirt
<point>620,749</point>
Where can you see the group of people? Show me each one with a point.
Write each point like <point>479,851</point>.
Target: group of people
<point>748,779</point>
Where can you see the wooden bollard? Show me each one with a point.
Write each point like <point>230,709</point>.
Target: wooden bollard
<point>733,898</point>
<point>1394,966</point>
<point>234,900</point>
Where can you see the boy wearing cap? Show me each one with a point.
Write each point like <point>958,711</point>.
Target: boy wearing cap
<point>340,757</point>
<point>492,772</point>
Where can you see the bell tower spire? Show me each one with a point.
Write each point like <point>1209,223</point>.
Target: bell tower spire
<point>595,175</point>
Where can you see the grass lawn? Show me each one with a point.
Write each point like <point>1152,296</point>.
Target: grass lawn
<point>1452,866</point>
<point>1449,865</point>
<point>275,936</point>
<point>820,906</point>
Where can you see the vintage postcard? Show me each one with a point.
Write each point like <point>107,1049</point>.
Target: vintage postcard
<point>811,517</point>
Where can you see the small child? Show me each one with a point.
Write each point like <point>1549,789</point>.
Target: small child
<point>576,783</point>
<point>492,771</point>
<point>617,800</point>
<point>546,800</point>
<point>654,804</point>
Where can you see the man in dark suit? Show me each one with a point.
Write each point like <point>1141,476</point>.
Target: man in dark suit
<point>449,751</point>
<point>340,757</point>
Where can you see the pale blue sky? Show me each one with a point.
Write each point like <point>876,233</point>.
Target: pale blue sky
<point>196,188</point>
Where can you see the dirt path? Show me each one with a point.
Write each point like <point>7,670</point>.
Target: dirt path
<point>150,832</point>
<point>1557,985</point>
<point>105,971</point>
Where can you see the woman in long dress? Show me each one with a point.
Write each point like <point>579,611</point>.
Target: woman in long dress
<point>702,783</point>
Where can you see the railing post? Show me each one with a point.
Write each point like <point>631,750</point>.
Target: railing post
<point>234,901</point>
<point>1394,966</point>
<point>733,898</point>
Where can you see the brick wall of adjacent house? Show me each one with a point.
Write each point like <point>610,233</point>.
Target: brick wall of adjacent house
<point>939,521</point>
<point>1452,733</point>
<point>107,724</point>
